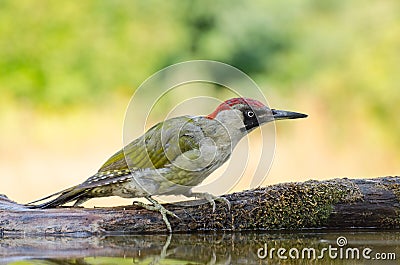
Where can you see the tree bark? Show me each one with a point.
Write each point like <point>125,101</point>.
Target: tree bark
<point>331,204</point>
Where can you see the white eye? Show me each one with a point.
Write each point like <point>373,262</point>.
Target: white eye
<point>250,114</point>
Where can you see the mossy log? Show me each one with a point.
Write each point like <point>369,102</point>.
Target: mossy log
<point>330,204</point>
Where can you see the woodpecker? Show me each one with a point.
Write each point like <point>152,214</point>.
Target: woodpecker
<point>172,157</point>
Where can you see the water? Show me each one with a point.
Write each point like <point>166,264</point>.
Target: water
<point>361,247</point>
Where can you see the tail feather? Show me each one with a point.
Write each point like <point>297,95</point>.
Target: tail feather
<point>47,197</point>
<point>68,195</point>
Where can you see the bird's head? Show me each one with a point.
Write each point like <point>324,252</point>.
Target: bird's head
<point>246,114</point>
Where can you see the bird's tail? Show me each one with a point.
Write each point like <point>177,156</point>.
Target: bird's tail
<point>65,196</point>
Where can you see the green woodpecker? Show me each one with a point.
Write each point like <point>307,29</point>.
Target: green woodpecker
<point>173,156</point>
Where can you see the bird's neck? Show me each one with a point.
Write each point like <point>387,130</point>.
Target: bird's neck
<point>232,125</point>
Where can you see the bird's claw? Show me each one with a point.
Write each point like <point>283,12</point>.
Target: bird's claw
<point>223,200</point>
<point>168,212</point>
<point>211,199</point>
<point>219,199</point>
<point>161,209</point>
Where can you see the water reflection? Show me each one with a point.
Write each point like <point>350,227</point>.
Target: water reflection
<point>208,248</point>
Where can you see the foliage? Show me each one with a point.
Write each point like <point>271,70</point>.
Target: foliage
<point>68,53</point>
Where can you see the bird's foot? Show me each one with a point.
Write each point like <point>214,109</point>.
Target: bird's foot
<point>157,207</point>
<point>210,198</point>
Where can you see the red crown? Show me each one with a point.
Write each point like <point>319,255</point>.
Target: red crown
<point>233,102</point>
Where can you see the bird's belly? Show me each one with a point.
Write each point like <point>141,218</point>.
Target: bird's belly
<point>164,181</point>
<point>128,190</point>
<point>167,181</point>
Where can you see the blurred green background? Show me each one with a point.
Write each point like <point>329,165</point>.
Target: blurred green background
<point>69,68</point>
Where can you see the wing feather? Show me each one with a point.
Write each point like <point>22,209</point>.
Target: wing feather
<point>158,147</point>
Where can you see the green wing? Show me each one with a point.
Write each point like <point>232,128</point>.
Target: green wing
<point>160,145</point>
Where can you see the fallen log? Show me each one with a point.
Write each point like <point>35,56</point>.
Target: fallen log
<point>330,204</point>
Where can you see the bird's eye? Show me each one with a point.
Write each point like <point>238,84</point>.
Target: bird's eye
<point>250,114</point>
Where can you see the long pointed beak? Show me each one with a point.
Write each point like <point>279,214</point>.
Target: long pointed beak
<point>284,115</point>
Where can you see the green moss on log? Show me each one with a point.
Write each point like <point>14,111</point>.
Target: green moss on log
<point>395,188</point>
<point>296,205</point>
